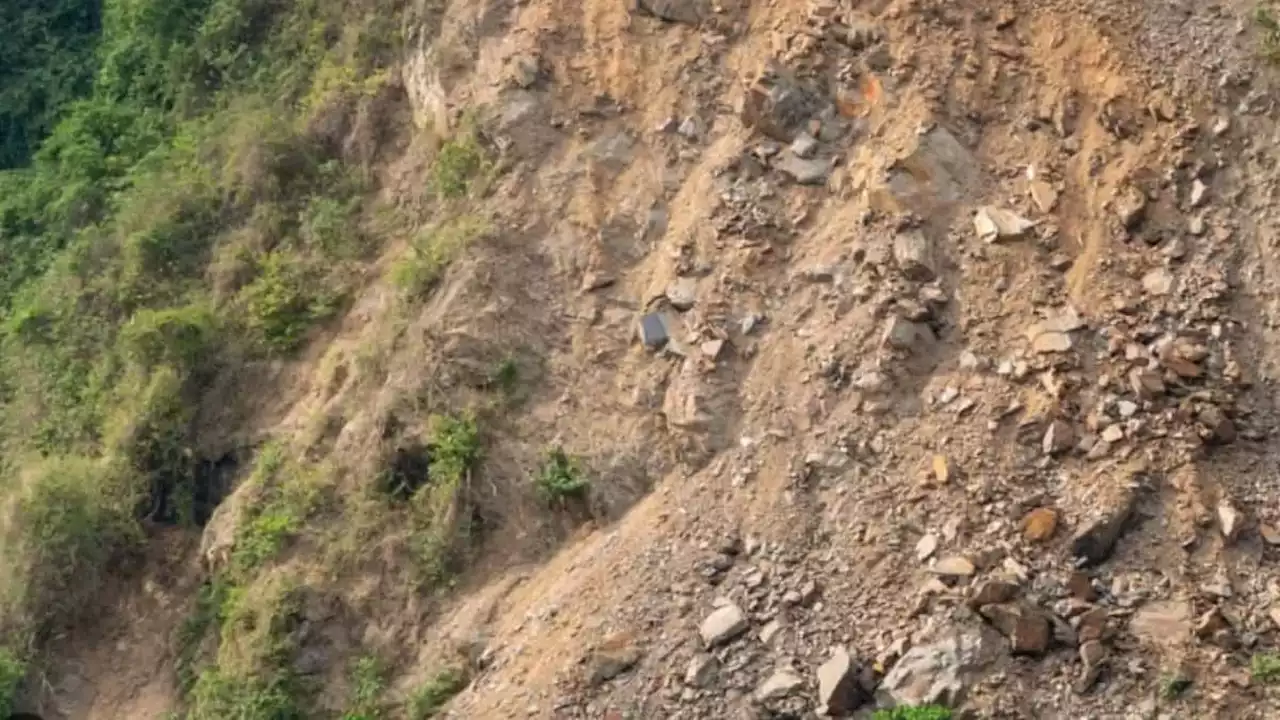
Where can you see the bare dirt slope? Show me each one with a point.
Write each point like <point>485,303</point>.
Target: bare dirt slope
<point>972,339</point>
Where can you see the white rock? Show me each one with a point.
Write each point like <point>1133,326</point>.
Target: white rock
<point>994,224</point>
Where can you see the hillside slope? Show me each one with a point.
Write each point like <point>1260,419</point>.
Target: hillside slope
<point>752,360</point>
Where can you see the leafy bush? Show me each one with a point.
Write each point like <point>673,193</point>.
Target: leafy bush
<point>368,681</point>
<point>428,700</point>
<point>283,302</point>
<point>71,520</point>
<point>177,336</point>
<point>253,678</point>
<point>455,449</point>
<point>560,478</point>
<point>220,696</point>
<point>457,165</point>
<point>12,671</point>
<point>289,493</point>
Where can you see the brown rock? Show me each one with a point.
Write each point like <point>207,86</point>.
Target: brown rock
<point>616,655</point>
<point>1182,367</point>
<point>1093,625</point>
<point>1219,430</point>
<point>1058,438</point>
<point>840,690</point>
<point>1039,524</point>
<point>1081,587</point>
<point>1211,622</point>
<point>1027,628</point>
<point>993,592</point>
<point>1147,384</point>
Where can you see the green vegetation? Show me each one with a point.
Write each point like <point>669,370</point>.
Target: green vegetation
<point>505,375</point>
<point>1265,667</point>
<point>433,250</point>
<point>460,161</point>
<point>46,61</point>
<point>560,478</point>
<point>368,681</point>
<point>438,512</point>
<point>252,677</point>
<point>1269,32</point>
<point>922,712</point>
<point>12,670</point>
<point>187,186</point>
<point>431,698</point>
<point>205,616</point>
<point>1172,685</point>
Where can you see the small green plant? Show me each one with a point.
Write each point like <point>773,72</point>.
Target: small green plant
<point>560,478</point>
<point>261,538</point>
<point>1269,32</point>
<point>1172,685</point>
<point>505,375</point>
<point>12,670</point>
<point>432,251</point>
<point>431,698</point>
<point>913,712</point>
<point>1265,667</point>
<point>205,616</point>
<point>368,681</point>
<point>455,448</point>
<point>457,164</point>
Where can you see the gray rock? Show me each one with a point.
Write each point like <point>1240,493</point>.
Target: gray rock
<point>778,106</point>
<point>683,293</point>
<point>702,670</point>
<point>938,673</point>
<point>780,684</point>
<point>803,171</point>
<point>915,257</point>
<point>804,146</point>
<point>655,331</point>
<point>902,334</point>
<point>689,12</point>
<point>723,625</point>
<point>840,686</point>
<point>1097,537</point>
